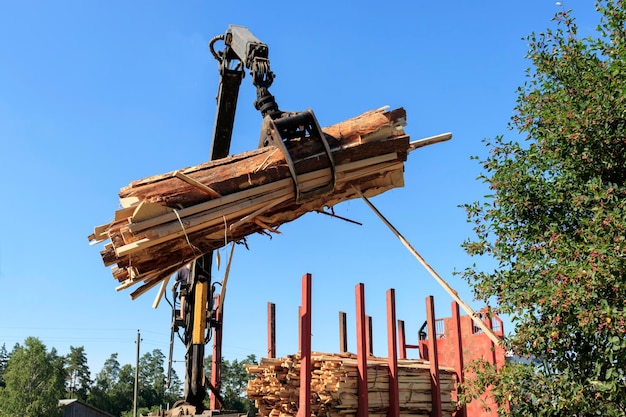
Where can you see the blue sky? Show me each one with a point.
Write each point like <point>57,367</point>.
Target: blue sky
<point>96,94</point>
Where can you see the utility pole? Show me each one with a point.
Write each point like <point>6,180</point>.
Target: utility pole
<point>136,375</point>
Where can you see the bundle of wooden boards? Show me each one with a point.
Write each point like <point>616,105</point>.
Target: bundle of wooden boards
<point>275,385</point>
<point>170,219</point>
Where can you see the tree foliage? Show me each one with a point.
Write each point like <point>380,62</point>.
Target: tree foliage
<point>555,225</point>
<point>35,381</point>
<point>113,387</point>
<point>153,390</point>
<point>78,376</point>
<point>234,380</point>
<point>4,360</point>
<point>101,393</point>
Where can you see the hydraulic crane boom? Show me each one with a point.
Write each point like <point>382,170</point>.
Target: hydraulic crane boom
<point>242,48</point>
<point>197,315</point>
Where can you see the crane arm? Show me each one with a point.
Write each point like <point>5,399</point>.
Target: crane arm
<point>242,49</point>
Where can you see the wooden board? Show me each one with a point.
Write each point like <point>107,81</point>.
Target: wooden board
<point>170,219</point>
<point>274,386</point>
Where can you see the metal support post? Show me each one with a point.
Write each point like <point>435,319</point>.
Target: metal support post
<point>369,334</point>
<point>361,353</point>
<point>135,388</point>
<point>392,353</point>
<point>304,409</point>
<point>433,357</point>
<point>458,351</point>
<point>271,330</point>
<point>488,321</point>
<point>402,339</point>
<point>343,332</point>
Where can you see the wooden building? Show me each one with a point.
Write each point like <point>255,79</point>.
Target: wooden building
<point>77,408</point>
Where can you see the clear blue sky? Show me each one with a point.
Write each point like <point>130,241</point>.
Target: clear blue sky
<point>95,94</point>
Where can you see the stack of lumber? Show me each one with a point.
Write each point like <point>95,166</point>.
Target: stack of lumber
<point>170,219</point>
<point>275,385</point>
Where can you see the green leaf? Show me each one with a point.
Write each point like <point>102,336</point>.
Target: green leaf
<point>554,224</point>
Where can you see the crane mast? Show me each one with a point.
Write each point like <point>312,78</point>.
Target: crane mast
<point>198,314</point>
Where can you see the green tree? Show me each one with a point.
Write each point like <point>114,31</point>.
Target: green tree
<point>35,381</point>
<point>234,379</point>
<point>174,391</point>
<point>4,360</point>
<point>99,392</point>
<point>152,378</point>
<point>78,375</point>
<point>153,390</point>
<point>122,391</point>
<point>555,225</point>
<point>112,390</point>
<point>113,387</point>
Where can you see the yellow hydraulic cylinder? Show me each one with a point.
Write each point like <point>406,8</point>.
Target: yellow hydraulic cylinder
<point>199,313</point>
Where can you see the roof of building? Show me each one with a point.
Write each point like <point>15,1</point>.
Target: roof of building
<point>66,402</point>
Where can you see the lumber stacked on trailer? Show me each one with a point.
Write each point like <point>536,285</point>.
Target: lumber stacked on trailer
<point>275,385</point>
<point>170,219</point>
